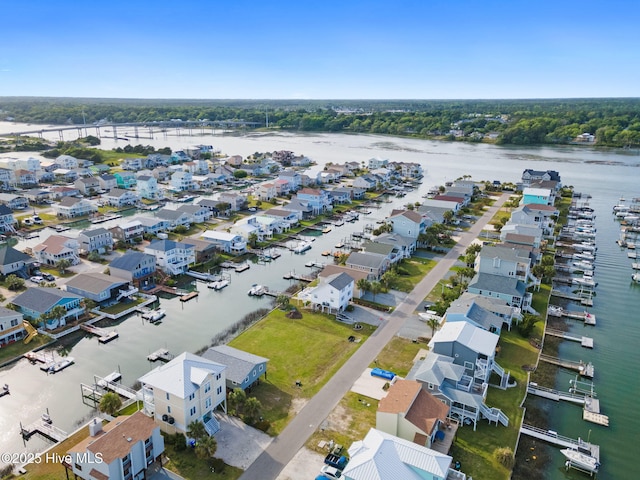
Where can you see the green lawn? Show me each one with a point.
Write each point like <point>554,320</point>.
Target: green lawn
<point>18,349</point>
<point>121,307</point>
<point>309,350</point>
<point>414,269</point>
<point>398,355</point>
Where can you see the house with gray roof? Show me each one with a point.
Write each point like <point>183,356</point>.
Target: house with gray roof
<point>71,207</point>
<point>174,217</point>
<point>403,246</point>
<point>506,261</point>
<point>99,287</point>
<point>87,185</point>
<point>374,265</point>
<point>496,306</point>
<point>467,310</point>
<point>37,301</point>
<point>384,249</point>
<point>511,290</point>
<point>14,202</point>
<point>107,181</point>
<point>95,240</point>
<point>120,197</point>
<point>12,261</point>
<point>11,326</point>
<point>331,295</point>
<point>197,213</point>
<point>243,370</point>
<point>172,257</point>
<point>134,267</point>
<point>153,225</point>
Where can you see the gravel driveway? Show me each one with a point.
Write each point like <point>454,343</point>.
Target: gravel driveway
<point>238,443</point>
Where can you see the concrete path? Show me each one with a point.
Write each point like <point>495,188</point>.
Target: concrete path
<point>269,464</point>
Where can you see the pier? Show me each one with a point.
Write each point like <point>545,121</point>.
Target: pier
<point>590,404</point>
<point>586,342</point>
<point>242,268</point>
<point>104,335</point>
<point>554,438</point>
<point>44,427</point>
<point>555,395</point>
<point>584,300</point>
<point>161,354</point>
<point>584,369</point>
<point>189,296</point>
<point>314,264</point>
<point>586,317</point>
<point>297,276</point>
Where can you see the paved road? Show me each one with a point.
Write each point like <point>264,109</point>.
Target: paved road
<point>269,464</point>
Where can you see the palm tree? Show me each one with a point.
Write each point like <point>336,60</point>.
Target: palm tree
<point>206,447</point>
<point>110,403</point>
<point>388,278</point>
<point>196,430</point>
<point>364,286</point>
<point>433,323</point>
<point>252,408</point>
<point>253,240</point>
<point>237,400</point>
<point>63,264</point>
<point>376,287</point>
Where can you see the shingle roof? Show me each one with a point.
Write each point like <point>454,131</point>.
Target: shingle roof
<point>498,283</point>
<point>378,248</point>
<point>95,232</point>
<point>95,282</point>
<point>10,255</point>
<point>130,260</point>
<point>40,299</point>
<point>464,333</point>
<point>340,281</point>
<point>366,260</point>
<point>239,363</point>
<point>167,245</point>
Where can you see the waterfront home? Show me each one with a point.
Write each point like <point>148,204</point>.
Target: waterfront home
<point>266,192</point>
<point>468,310</point>
<point>158,160</point>
<point>209,204</point>
<point>530,176</point>
<point>24,179</point>
<point>225,172</point>
<point>403,246</point>
<point>461,201</point>
<point>134,267</point>
<point>63,192</point>
<point>187,389</point>
<point>375,163</point>
<point>152,225</point>
<point>462,191</point>
<point>238,201</point>
<point>385,250</point>
<point>125,180</point>
<point>147,187</point>
<point>6,178</point>
<point>14,202</point>
<point>340,195</point>
<point>427,203</point>
<point>107,181</point>
<point>542,196</point>
<point>432,214</point>
<point>332,294</point>
<point>88,185</point>
<point>505,261</point>
<point>204,249</point>
<point>233,160</point>
<point>203,182</point>
<point>174,217</point>
<point>67,161</point>
<point>7,222</point>
<point>119,197</point>
<point>302,209</point>
<point>316,198</point>
<point>36,195</point>
<point>97,286</point>
<point>330,270</point>
<point>407,223</point>
<point>182,181</point>
<point>498,307</point>
<point>243,370</point>
<point>56,248</point>
<point>408,170</point>
<point>511,290</point>
<point>410,412</point>
<point>227,242</point>
<point>292,178</point>
<point>196,213</point>
<point>12,261</point>
<point>128,232</point>
<point>365,182</point>
<point>38,301</point>
<point>402,459</point>
<point>287,217</point>
<point>134,164</point>
<point>70,207</point>
<point>172,257</point>
<point>536,214</point>
<point>123,449</point>
<point>374,265</point>
<point>30,163</point>
<point>383,174</point>
<point>282,187</point>
<point>517,233</point>
<point>248,226</point>
<point>98,240</point>
<point>11,327</point>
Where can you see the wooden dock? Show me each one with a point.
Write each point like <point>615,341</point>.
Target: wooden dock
<point>590,404</point>
<point>586,342</point>
<point>586,317</point>
<point>242,268</point>
<point>584,300</point>
<point>584,369</point>
<point>554,438</point>
<point>161,354</point>
<point>189,296</point>
<point>104,335</point>
<point>591,412</point>
<point>44,427</point>
<point>297,276</point>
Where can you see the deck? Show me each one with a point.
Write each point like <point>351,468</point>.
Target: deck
<point>553,438</point>
<point>586,301</point>
<point>161,354</point>
<point>586,342</point>
<point>104,335</point>
<point>46,429</point>
<point>297,276</point>
<point>584,369</point>
<point>189,296</point>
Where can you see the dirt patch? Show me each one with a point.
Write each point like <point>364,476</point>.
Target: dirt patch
<point>338,420</point>
<point>297,404</point>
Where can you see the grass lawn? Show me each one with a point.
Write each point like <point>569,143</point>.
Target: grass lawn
<point>474,450</point>
<point>323,350</point>
<point>121,307</point>
<point>416,268</point>
<point>18,349</point>
<point>186,464</point>
<point>397,356</point>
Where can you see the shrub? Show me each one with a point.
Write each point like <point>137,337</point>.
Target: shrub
<point>263,425</point>
<point>218,465</point>
<point>504,455</point>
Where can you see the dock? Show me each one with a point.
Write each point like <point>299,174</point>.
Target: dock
<point>554,438</point>
<point>584,369</point>
<point>314,264</point>
<point>297,276</point>
<point>104,335</point>
<point>37,357</point>
<point>584,300</point>
<point>586,317</point>
<point>189,296</point>
<point>586,342</point>
<point>242,268</point>
<point>161,354</point>
<point>555,395</point>
<point>590,404</point>
<point>591,412</point>
<point>44,427</point>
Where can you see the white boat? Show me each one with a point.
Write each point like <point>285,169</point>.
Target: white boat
<point>256,290</point>
<point>584,280</point>
<point>218,285</point>
<point>581,459</point>
<point>154,315</point>
<point>636,277</point>
<point>339,223</point>
<point>302,247</point>
<point>554,311</point>
<point>635,266</point>
<point>61,365</point>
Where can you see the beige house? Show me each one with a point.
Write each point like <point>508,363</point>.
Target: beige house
<point>11,327</point>
<point>411,413</point>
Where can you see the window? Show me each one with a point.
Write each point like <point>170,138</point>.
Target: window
<point>192,411</point>
<point>207,403</point>
<point>261,367</point>
<point>192,396</point>
<point>78,466</point>
<point>169,409</point>
<point>218,390</point>
<point>167,394</point>
<point>207,387</point>
<point>218,377</point>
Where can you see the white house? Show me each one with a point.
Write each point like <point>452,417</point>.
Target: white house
<point>96,240</point>
<point>187,389</point>
<point>147,187</point>
<point>227,242</point>
<point>119,197</point>
<point>332,294</point>
<point>11,327</point>
<point>56,248</point>
<point>172,257</point>
<point>182,181</point>
<point>70,207</point>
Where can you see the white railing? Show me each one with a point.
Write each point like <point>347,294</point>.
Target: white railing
<point>212,426</point>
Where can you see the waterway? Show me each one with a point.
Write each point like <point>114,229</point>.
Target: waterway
<point>605,174</point>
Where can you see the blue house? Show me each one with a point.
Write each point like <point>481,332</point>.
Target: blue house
<point>38,301</point>
<point>542,196</point>
<point>243,369</point>
<point>134,267</point>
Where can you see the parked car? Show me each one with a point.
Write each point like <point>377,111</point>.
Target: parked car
<point>330,472</point>
<point>37,220</point>
<point>48,277</point>
<point>27,221</point>
<point>36,279</point>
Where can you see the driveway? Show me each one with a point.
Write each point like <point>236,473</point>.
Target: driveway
<point>238,443</point>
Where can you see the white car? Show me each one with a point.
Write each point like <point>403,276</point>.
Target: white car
<point>330,472</point>
<point>36,279</point>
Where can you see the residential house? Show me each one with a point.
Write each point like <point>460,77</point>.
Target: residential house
<point>496,306</point>
<point>408,170</point>
<point>403,459</point>
<point>7,178</point>
<point>330,270</point>
<point>243,370</point>
<point>461,201</point>
<point>87,186</point>
<point>374,265</point>
<point>7,222</point>
<point>56,248</point>
<point>292,177</point>
<point>11,326</point>
<point>287,217</point>
<point>383,174</point>
<point>127,447</point>
<point>37,301</point>
<point>125,180</point>
<point>67,161</point>
<point>530,176</point>
<point>174,258</point>
<point>410,412</point>
<point>182,181</point>
<point>204,249</point>
<point>152,225</point>
<point>375,163</point>
<point>99,287</point>
<point>237,201</point>
<point>266,192</point>
<point>147,187</point>
<point>233,160</point>
<point>12,260</point>
<point>196,213</point>
<point>134,164</point>
<point>467,310</point>
<point>134,267</point>
<point>385,250</point>
<point>119,197</point>
<point>30,163</point>
<point>365,182</point>
<point>282,187</point>
<point>517,233</point>
<point>541,215</point>
<point>302,209</point>
<point>63,192</point>
<point>332,294</point>
<point>96,240</point>
<point>14,202</point>
<point>248,226</point>
<point>407,223</point>
<point>318,199</point>
<point>174,217</point>
<point>209,204</point>
<point>505,261</point>
<point>107,181</point>
<point>37,196</point>
<point>203,182</point>
<point>340,195</point>
<point>426,203</point>
<point>187,389</point>
<point>71,207</point>
<point>542,196</point>
<point>403,247</point>
<point>509,289</point>
<point>24,178</point>
<point>226,242</point>
<point>128,232</point>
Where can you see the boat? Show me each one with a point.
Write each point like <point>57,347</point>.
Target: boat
<point>154,315</point>
<point>5,390</point>
<point>326,253</point>
<point>635,266</point>
<point>326,229</point>
<point>256,290</point>
<point>60,365</point>
<point>339,245</point>
<point>554,311</point>
<point>339,223</point>
<point>636,277</point>
<point>219,284</point>
<point>302,247</point>
<point>581,458</point>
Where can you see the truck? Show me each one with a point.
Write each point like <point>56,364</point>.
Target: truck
<point>336,459</point>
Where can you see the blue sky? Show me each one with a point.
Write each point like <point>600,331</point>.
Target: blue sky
<point>326,49</point>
